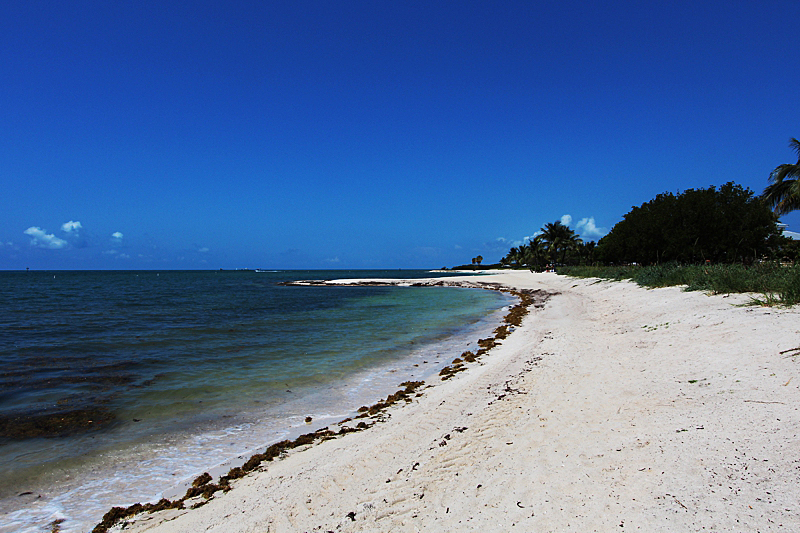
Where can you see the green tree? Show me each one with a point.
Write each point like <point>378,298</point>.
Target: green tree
<point>783,192</point>
<point>723,225</point>
<point>512,258</point>
<point>560,240</point>
<point>535,254</point>
<point>586,252</point>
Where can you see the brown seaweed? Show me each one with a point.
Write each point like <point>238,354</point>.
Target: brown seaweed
<point>60,424</point>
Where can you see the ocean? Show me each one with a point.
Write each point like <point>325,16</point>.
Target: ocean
<point>116,387</point>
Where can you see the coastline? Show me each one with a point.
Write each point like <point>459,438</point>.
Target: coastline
<point>433,326</point>
<point>610,406</point>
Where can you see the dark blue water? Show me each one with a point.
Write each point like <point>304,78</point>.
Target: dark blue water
<point>147,377</point>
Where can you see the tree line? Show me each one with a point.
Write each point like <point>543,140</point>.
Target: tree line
<point>555,244</point>
<point>729,224</point>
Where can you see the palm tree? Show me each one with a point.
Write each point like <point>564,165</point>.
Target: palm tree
<point>512,258</point>
<point>586,252</point>
<point>535,253</point>
<point>783,192</point>
<point>523,255</point>
<point>559,240</point>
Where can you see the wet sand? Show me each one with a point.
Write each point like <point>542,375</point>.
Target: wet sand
<point>610,408</point>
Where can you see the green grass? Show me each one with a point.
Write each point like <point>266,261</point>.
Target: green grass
<point>779,285</point>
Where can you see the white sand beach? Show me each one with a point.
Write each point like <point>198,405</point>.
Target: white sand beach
<point>612,408</point>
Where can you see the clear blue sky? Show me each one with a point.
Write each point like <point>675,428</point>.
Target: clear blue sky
<point>361,134</point>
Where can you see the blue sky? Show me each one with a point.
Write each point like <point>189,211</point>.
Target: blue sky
<point>367,134</point>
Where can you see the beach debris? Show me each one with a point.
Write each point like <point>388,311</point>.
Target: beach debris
<point>308,420</point>
<point>512,319</point>
<point>201,480</point>
<point>448,371</point>
<point>117,514</point>
<point>351,515</point>
<point>202,486</point>
<point>501,332</point>
<point>487,343</point>
<point>680,503</point>
<point>410,387</point>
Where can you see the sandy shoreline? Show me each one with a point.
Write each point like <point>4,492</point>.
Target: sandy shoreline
<point>611,407</point>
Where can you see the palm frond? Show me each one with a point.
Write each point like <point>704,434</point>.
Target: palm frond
<point>783,192</point>
<point>782,172</point>
<point>794,144</point>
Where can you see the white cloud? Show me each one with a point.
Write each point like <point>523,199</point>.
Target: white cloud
<point>124,256</point>
<point>587,227</point>
<point>525,240</point>
<point>203,250</point>
<point>786,233</point>
<point>110,252</point>
<point>71,226</point>
<point>44,240</point>
<point>334,260</point>
<point>117,235</point>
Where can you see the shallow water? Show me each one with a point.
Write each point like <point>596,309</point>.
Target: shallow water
<point>116,386</point>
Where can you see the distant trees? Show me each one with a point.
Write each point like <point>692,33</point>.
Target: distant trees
<point>512,258</point>
<point>559,240</point>
<point>722,225</point>
<point>719,225</point>
<point>555,244</point>
<point>783,192</point>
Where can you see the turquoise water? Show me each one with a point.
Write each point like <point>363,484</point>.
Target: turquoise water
<point>116,386</point>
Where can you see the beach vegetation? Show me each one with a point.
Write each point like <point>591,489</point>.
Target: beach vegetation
<point>728,224</point>
<point>559,240</point>
<point>783,191</point>
<point>716,225</point>
<point>778,284</point>
<point>555,243</point>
